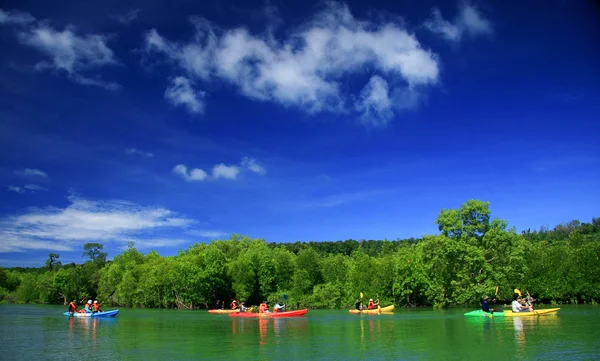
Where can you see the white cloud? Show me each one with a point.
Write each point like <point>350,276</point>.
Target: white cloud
<point>309,68</point>
<point>15,17</point>
<point>34,187</point>
<point>15,189</point>
<point>151,243</point>
<point>139,152</point>
<point>468,20</point>
<point>127,17</point>
<point>82,221</point>
<point>220,170</point>
<point>208,234</point>
<point>194,175</point>
<point>71,53</point>
<point>250,163</point>
<point>29,172</point>
<point>225,171</point>
<point>181,93</point>
<point>375,103</point>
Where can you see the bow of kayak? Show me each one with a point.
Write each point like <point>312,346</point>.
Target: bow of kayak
<point>296,313</point>
<point>387,309</point>
<point>112,313</point>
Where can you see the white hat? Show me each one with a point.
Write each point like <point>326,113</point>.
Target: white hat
<point>370,300</point>
<point>89,301</point>
<point>95,301</point>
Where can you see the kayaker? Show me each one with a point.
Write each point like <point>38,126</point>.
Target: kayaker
<point>243,307</point>
<point>218,305</point>
<point>372,305</point>
<point>72,306</point>
<point>97,307</point>
<point>88,307</point>
<point>233,305</point>
<point>485,305</point>
<point>518,307</point>
<point>264,307</point>
<point>358,304</point>
<point>278,307</point>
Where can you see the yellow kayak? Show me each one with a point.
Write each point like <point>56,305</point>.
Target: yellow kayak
<point>545,311</point>
<point>376,310</point>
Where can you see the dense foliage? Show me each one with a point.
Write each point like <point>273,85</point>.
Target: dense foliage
<point>472,255</point>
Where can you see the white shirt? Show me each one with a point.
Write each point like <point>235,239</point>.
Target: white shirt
<point>516,306</point>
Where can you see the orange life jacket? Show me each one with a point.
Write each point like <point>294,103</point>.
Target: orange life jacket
<point>233,305</point>
<point>96,306</point>
<point>72,306</point>
<point>371,305</point>
<point>263,308</point>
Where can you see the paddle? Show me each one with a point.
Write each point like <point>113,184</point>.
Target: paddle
<point>361,297</point>
<point>378,307</point>
<point>285,298</point>
<point>527,300</point>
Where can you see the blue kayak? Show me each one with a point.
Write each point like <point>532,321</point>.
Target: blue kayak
<point>112,313</point>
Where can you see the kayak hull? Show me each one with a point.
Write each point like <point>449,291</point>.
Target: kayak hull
<point>296,313</point>
<point>112,313</point>
<point>508,313</point>
<point>374,311</point>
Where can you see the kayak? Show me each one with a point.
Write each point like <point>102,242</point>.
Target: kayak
<point>112,313</point>
<point>509,313</point>
<point>296,313</point>
<point>223,312</point>
<point>377,310</point>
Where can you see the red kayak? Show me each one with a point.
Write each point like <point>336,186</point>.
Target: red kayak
<point>295,313</point>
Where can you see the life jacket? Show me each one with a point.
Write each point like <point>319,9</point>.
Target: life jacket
<point>96,306</point>
<point>371,305</point>
<point>72,307</point>
<point>263,308</point>
<point>233,305</point>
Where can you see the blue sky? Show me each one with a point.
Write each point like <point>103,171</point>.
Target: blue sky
<point>169,123</point>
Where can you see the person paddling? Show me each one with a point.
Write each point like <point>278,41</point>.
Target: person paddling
<point>278,307</point>
<point>372,304</point>
<point>88,307</point>
<point>233,305</point>
<point>72,307</point>
<point>96,307</point>
<point>518,307</point>
<point>485,305</point>
<point>358,304</point>
<point>264,307</point>
<point>243,307</point>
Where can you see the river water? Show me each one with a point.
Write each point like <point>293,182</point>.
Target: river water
<point>34,332</point>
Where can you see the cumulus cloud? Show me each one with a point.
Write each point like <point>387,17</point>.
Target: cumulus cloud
<point>208,234</point>
<point>15,189</point>
<point>469,20</point>
<point>194,175</point>
<point>15,17</point>
<point>127,17</point>
<point>34,187</point>
<point>375,103</point>
<point>305,70</point>
<point>64,229</point>
<point>225,171</point>
<point>252,165</point>
<point>68,52</point>
<point>181,93</point>
<point>32,172</point>
<point>220,170</point>
<point>135,151</point>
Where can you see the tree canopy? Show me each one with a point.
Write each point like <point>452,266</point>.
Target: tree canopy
<point>471,256</point>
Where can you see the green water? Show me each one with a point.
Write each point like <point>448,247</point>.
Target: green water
<point>30,332</point>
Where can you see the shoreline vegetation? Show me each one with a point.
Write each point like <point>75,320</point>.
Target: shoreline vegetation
<point>471,256</point>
